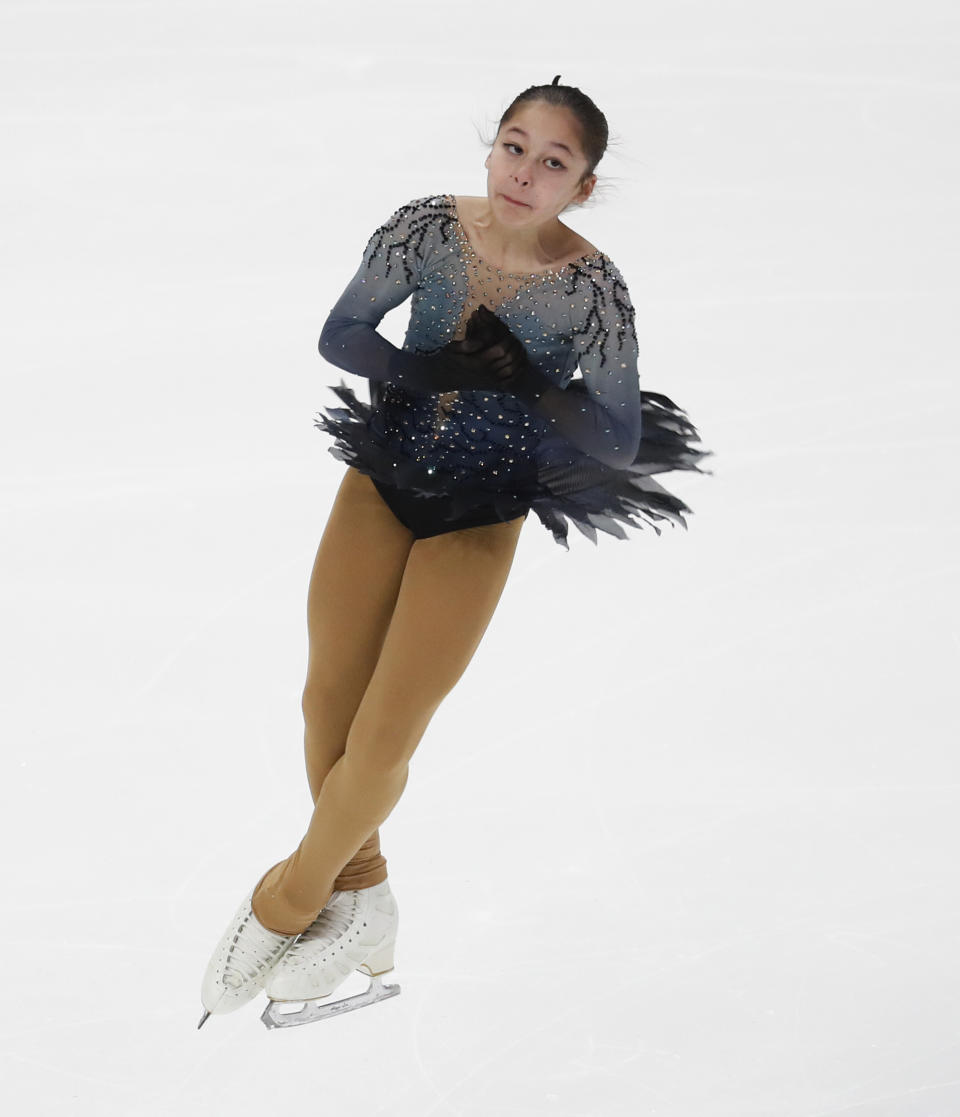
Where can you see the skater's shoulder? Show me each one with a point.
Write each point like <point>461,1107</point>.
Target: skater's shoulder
<point>425,207</point>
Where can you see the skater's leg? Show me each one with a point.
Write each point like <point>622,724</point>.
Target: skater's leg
<point>450,589</point>
<point>353,588</point>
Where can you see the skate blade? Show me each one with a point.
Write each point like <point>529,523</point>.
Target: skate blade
<point>315,1010</point>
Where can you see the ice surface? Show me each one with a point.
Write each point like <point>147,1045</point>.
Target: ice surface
<point>711,870</point>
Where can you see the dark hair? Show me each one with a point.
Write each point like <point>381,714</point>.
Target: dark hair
<point>592,124</point>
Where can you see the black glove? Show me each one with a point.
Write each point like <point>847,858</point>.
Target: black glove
<point>478,361</point>
<point>489,357</point>
<point>508,360</point>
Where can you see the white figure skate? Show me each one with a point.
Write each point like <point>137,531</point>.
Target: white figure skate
<point>357,930</point>
<point>239,966</point>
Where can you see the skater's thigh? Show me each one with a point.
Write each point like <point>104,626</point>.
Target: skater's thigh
<point>450,589</point>
<point>354,585</point>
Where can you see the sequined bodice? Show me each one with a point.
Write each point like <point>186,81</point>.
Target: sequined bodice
<point>579,314</point>
<point>489,285</point>
<point>574,449</point>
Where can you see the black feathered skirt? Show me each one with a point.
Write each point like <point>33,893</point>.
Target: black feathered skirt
<point>389,439</point>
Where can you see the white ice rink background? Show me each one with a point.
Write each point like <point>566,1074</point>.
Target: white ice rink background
<point>698,857</point>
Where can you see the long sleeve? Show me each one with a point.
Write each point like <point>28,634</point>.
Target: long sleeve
<point>600,415</point>
<point>554,423</point>
<point>389,272</point>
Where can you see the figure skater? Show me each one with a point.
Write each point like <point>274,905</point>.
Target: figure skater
<point>473,423</point>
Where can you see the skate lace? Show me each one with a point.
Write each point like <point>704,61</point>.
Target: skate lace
<point>331,923</point>
<point>329,926</point>
<point>246,962</point>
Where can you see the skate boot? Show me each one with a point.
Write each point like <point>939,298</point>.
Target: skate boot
<point>357,930</point>
<point>239,966</point>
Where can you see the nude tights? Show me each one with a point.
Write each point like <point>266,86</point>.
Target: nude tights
<point>393,622</point>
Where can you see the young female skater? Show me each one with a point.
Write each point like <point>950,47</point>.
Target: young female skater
<point>473,423</point>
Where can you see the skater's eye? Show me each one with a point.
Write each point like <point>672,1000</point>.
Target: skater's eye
<point>551,159</point>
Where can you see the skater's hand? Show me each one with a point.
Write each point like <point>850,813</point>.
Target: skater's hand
<point>489,354</point>
<point>474,364</point>
<point>488,358</point>
<point>483,352</point>
<point>514,371</point>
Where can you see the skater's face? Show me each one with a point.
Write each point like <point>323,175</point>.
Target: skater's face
<point>537,160</point>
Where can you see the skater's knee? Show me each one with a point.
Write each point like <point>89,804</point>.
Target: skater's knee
<point>385,743</point>
<point>319,697</point>
<point>365,764</point>
<point>328,709</point>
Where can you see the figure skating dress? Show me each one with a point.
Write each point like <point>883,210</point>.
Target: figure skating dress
<point>447,459</point>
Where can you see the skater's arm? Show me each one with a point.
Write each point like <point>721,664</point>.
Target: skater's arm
<point>600,415</point>
<point>356,346</point>
<point>604,424</point>
<point>389,272</point>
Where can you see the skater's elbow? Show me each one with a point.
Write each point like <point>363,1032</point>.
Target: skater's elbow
<point>326,337</point>
<point>331,342</point>
<point>622,449</point>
